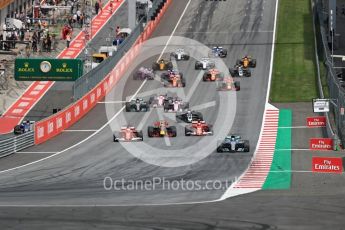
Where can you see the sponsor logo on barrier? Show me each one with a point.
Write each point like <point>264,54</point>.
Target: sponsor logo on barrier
<point>85,104</point>
<point>76,111</point>
<point>316,121</point>
<point>93,98</point>
<point>40,131</point>
<point>68,117</point>
<point>321,144</point>
<point>327,164</point>
<point>59,122</point>
<point>50,127</point>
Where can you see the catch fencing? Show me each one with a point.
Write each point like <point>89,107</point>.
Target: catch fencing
<point>335,86</point>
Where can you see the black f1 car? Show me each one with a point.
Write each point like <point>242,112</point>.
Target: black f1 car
<point>173,79</point>
<point>205,63</point>
<point>189,116</point>
<point>233,143</point>
<point>247,62</point>
<point>25,126</point>
<point>198,128</point>
<point>128,134</point>
<point>228,84</point>
<point>144,73</point>
<point>162,65</point>
<point>180,54</point>
<point>240,71</point>
<point>218,51</point>
<point>137,105</point>
<point>161,129</point>
<point>213,75</point>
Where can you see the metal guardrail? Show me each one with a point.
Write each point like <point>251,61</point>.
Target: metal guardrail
<point>88,81</point>
<point>336,90</point>
<point>17,143</point>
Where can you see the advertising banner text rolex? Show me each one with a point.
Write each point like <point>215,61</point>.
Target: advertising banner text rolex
<point>47,69</point>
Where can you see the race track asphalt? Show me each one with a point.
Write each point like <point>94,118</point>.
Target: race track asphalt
<point>75,177</point>
<point>315,201</point>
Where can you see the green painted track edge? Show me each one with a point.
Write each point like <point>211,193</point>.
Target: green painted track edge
<point>279,176</point>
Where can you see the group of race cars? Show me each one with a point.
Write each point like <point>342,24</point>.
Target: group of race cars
<point>196,125</point>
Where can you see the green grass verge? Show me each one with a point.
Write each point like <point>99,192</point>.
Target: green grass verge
<point>294,73</point>
<point>279,176</point>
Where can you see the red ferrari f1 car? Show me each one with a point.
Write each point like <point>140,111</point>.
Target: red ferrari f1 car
<point>128,134</point>
<point>199,128</point>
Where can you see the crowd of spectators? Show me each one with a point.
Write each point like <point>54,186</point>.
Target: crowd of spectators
<point>38,28</point>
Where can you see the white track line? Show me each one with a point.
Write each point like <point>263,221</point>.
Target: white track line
<point>230,191</point>
<point>113,118</point>
<point>304,171</point>
<point>111,102</point>
<point>80,130</point>
<point>296,150</point>
<point>37,152</point>
<point>300,127</point>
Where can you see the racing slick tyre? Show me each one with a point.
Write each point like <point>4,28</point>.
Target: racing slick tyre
<point>238,62</point>
<point>155,66</point>
<point>150,77</point>
<point>144,108</point>
<point>204,77</point>
<point>186,131</point>
<point>150,131</point>
<point>114,138</point>
<point>237,85</point>
<point>183,82</point>
<point>248,73</point>
<point>246,146</point>
<point>173,55</point>
<point>253,63</point>
<point>197,66</point>
<point>186,57</point>
<point>219,149</point>
<point>169,66</point>
<point>172,131</point>
<point>128,107</point>
<point>140,135</point>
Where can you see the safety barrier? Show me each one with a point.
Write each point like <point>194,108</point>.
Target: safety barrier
<point>55,124</point>
<point>17,143</point>
<point>336,91</point>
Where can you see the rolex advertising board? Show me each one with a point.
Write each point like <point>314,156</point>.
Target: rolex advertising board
<point>45,69</point>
